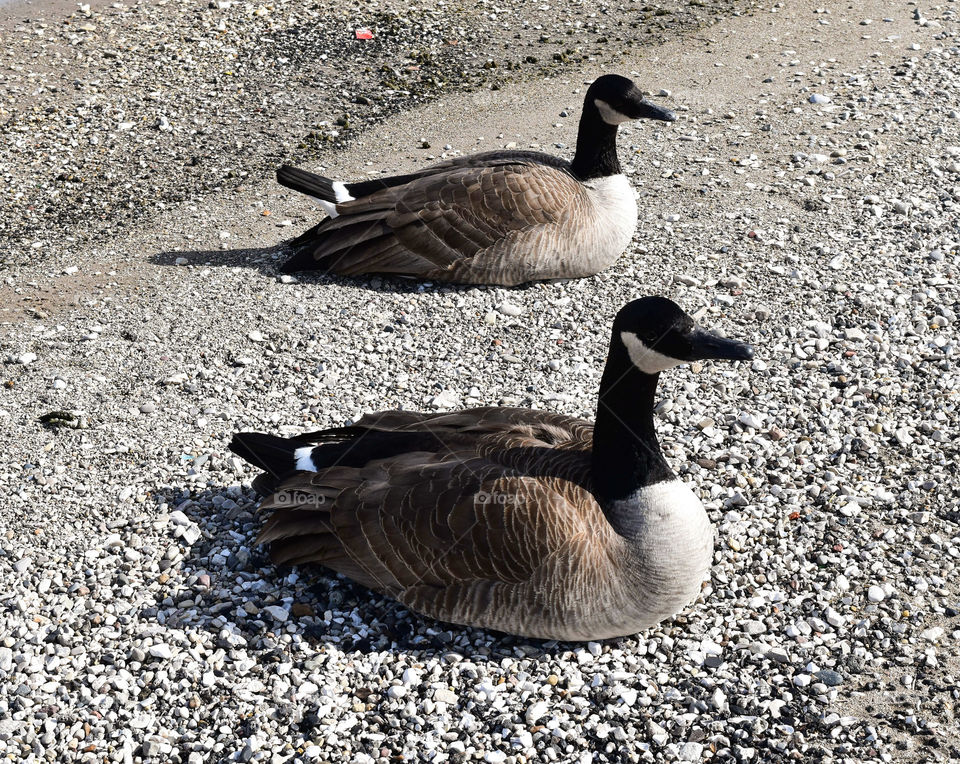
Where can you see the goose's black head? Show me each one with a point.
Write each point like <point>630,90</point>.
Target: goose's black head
<point>658,335</point>
<point>618,100</point>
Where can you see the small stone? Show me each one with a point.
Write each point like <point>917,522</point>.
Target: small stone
<point>179,518</point>
<point>535,712</point>
<point>834,618</point>
<point>819,98</point>
<point>148,408</point>
<point>151,747</point>
<point>690,752</point>
<point>778,654</point>
<point>509,309</point>
<point>875,594</point>
<point>445,400</point>
<point>903,437</point>
<point>753,628</point>
<point>161,650</point>
<point>26,358</point>
<point>829,677</point>
<point>277,613</point>
<point>191,535</point>
<point>443,695</point>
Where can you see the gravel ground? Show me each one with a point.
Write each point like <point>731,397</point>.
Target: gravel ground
<point>806,201</point>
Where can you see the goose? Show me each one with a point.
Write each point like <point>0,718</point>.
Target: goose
<point>498,217</point>
<point>521,521</point>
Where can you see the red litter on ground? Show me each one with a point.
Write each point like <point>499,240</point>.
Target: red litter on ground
<point>364,34</point>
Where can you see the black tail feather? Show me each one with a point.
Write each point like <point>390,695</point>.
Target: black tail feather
<point>271,453</point>
<point>306,183</point>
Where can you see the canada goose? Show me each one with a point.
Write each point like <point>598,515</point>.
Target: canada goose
<point>500,217</point>
<point>522,521</point>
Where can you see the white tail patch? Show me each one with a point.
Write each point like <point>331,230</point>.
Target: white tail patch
<point>610,115</point>
<point>340,191</point>
<point>341,194</point>
<point>645,358</point>
<point>303,458</point>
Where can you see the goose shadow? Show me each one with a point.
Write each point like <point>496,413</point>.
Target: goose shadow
<point>223,582</point>
<point>269,260</point>
<point>265,259</point>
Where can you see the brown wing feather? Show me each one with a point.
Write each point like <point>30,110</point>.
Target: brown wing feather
<point>438,221</point>
<point>503,495</point>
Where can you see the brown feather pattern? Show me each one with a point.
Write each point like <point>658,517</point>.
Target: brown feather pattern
<point>496,527</point>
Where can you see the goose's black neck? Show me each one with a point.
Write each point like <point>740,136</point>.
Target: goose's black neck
<point>626,453</point>
<point>596,155</point>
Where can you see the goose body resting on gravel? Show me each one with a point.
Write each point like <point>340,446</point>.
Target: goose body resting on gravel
<point>499,217</point>
<point>527,522</point>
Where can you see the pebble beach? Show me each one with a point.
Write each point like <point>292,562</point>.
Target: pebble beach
<point>806,201</point>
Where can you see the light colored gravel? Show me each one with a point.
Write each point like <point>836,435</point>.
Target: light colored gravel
<point>139,623</point>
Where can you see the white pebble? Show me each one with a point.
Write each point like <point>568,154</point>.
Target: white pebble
<point>509,309</point>
<point>161,650</point>
<point>535,712</point>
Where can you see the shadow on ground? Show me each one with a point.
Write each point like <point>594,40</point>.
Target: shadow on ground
<point>224,580</point>
<point>268,260</point>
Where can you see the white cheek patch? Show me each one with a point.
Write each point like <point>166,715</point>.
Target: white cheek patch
<point>304,459</point>
<point>341,194</point>
<point>608,114</point>
<point>648,360</point>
